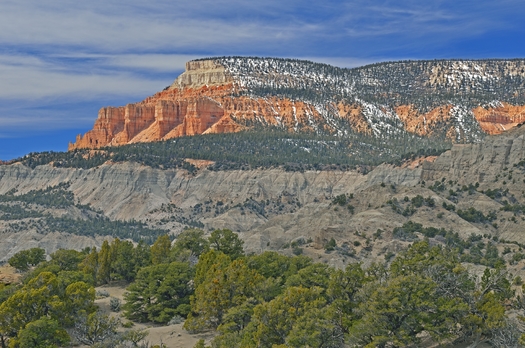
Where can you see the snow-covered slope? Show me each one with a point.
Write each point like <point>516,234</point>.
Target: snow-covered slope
<point>456,99</point>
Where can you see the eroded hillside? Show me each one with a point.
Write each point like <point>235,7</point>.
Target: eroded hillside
<point>471,190</point>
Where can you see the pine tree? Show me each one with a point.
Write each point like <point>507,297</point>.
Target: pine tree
<point>160,250</point>
<point>104,263</point>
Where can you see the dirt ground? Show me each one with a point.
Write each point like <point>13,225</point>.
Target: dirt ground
<point>170,335</point>
<point>8,275</point>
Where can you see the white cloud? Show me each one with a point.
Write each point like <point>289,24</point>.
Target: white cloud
<point>30,78</point>
<point>242,27</point>
<point>20,120</point>
<point>126,27</point>
<point>152,62</point>
<point>33,78</point>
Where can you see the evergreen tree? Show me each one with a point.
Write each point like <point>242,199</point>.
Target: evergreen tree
<point>104,264</point>
<point>41,333</point>
<point>90,264</point>
<point>160,250</point>
<point>227,242</point>
<point>159,293</point>
<point>221,286</point>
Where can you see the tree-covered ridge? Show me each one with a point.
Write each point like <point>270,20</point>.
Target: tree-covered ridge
<point>34,210</point>
<point>103,226</point>
<point>50,197</point>
<point>378,90</point>
<point>425,84</point>
<point>255,149</point>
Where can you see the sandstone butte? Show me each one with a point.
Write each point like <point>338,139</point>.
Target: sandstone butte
<point>204,100</point>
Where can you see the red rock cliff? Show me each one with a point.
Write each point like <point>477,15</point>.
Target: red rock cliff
<point>497,119</point>
<point>205,99</point>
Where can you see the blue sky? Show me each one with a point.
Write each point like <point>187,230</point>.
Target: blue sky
<point>62,60</point>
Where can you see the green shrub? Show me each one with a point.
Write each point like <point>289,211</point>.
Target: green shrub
<point>330,246</point>
<point>115,304</point>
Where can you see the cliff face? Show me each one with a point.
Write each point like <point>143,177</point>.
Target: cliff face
<point>190,106</point>
<point>447,98</point>
<point>500,117</point>
<point>483,163</point>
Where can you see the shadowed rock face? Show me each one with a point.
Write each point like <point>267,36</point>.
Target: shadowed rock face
<point>457,99</point>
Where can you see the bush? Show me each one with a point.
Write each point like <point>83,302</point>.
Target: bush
<point>449,207</point>
<point>114,304</point>
<point>102,293</point>
<point>177,319</point>
<point>438,186</point>
<point>128,324</point>
<point>417,201</point>
<point>406,232</point>
<point>473,215</point>
<point>340,200</point>
<point>297,251</point>
<point>389,255</point>
<point>24,259</point>
<point>199,344</point>
<point>377,234</point>
<point>330,246</point>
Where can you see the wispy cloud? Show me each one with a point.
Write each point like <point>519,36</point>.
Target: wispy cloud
<point>212,26</point>
<point>106,28</point>
<point>437,22</point>
<point>32,78</point>
<point>152,62</point>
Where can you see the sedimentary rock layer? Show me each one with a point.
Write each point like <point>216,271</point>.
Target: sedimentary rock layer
<point>223,95</point>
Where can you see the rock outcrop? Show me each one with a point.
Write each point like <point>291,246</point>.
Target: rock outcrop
<point>501,117</point>
<point>232,94</point>
<point>481,163</point>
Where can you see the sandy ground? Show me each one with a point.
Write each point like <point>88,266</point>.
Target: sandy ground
<point>8,275</point>
<point>170,335</point>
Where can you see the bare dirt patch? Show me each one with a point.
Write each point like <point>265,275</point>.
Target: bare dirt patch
<point>170,335</point>
<point>8,275</point>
